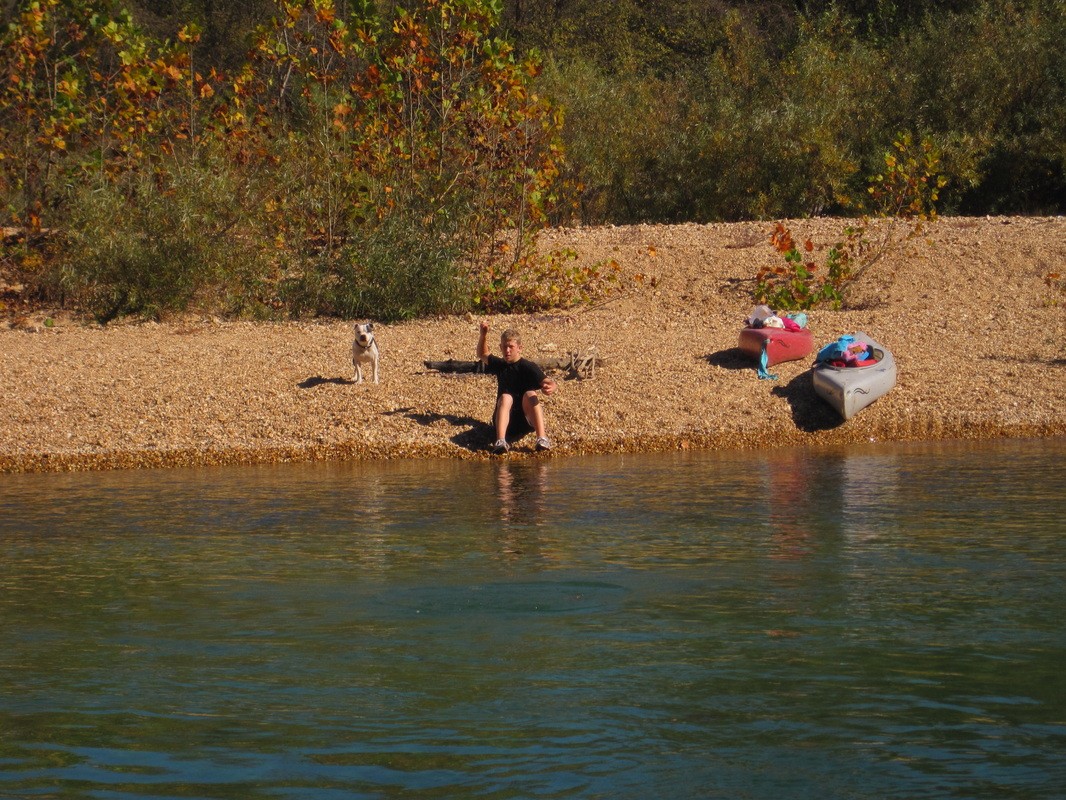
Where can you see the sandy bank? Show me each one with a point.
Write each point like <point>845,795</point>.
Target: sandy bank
<point>977,334</point>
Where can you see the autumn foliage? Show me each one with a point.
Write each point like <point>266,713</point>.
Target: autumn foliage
<point>354,165</point>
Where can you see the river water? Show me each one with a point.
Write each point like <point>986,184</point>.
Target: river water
<point>877,622</point>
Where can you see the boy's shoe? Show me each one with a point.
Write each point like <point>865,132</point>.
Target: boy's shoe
<point>500,447</point>
<point>543,443</point>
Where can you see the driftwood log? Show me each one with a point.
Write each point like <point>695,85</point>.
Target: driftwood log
<point>581,364</point>
<point>453,365</point>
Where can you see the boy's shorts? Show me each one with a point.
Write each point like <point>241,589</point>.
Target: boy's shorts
<point>518,426</point>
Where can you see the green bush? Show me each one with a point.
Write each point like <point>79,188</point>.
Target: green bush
<point>356,165</point>
<point>397,269</point>
<point>142,248</point>
<point>122,258</point>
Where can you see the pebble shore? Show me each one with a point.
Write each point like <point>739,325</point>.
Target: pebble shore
<point>977,333</point>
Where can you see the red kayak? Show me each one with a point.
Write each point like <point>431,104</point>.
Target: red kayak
<point>781,345</point>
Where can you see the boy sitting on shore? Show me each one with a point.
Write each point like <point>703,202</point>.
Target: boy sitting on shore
<point>518,410</point>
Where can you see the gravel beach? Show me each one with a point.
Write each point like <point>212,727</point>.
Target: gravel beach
<point>977,334</point>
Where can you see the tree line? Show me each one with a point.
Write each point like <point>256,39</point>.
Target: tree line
<point>702,110</point>
<point>395,159</point>
<point>679,110</point>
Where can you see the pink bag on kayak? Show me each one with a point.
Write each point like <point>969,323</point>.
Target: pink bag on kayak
<point>790,324</point>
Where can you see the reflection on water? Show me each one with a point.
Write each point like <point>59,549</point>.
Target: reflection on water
<point>521,491</point>
<point>868,622</point>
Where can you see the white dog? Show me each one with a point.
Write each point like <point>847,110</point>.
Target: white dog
<point>365,350</point>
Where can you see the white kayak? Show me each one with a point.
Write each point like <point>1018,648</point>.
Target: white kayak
<point>850,389</point>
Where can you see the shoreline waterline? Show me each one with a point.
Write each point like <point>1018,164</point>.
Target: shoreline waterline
<point>222,457</point>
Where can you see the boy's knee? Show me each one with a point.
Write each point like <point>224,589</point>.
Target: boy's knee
<point>531,397</point>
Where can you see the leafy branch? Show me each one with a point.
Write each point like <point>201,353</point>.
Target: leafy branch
<point>905,194</point>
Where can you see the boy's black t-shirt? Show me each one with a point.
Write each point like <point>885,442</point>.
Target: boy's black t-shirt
<point>514,379</point>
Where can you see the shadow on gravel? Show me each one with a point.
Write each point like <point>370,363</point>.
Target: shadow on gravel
<point>809,412</point>
<point>477,436</point>
<point>318,380</point>
<point>1050,362</point>
<point>733,358</point>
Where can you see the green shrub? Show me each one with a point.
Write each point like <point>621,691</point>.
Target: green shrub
<point>147,247</point>
<point>398,272</point>
<point>393,270</point>
<point>119,258</point>
<point>801,283</point>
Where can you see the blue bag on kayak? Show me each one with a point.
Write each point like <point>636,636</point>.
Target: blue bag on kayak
<point>835,350</point>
